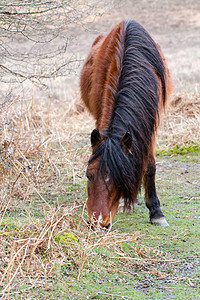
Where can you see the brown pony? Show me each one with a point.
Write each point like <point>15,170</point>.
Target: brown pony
<point>125,84</point>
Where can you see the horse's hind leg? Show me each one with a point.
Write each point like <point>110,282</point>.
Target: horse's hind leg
<point>151,198</point>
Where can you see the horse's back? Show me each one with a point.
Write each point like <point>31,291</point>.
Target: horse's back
<point>99,70</point>
<point>102,69</point>
<point>88,71</point>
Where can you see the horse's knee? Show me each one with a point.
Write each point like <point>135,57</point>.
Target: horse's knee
<point>122,207</point>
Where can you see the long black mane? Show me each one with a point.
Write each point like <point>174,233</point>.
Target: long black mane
<point>136,109</point>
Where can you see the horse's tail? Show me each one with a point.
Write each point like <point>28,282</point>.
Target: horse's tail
<point>168,79</point>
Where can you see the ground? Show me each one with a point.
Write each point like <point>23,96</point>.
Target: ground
<point>46,248</point>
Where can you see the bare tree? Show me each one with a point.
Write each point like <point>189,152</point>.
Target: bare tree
<point>34,36</point>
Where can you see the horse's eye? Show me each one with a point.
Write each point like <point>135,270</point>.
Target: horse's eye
<point>89,176</point>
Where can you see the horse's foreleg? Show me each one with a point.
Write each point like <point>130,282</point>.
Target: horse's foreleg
<point>122,208</point>
<point>151,199</point>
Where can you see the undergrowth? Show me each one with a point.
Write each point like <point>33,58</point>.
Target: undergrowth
<point>43,230</point>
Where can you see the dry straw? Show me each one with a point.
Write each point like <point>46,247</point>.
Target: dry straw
<point>181,123</point>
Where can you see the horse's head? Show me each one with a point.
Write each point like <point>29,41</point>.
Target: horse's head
<point>103,198</point>
<point>103,193</point>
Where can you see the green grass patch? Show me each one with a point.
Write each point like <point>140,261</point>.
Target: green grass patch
<point>178,149</point>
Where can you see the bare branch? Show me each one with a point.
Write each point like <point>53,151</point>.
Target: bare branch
<point>34,37</point>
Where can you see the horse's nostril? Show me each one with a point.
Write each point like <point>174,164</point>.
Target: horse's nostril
<point>90,226</point>
<point>94,228</point>
<point>108,226</point>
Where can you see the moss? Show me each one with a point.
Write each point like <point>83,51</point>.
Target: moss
<point>65,238</point>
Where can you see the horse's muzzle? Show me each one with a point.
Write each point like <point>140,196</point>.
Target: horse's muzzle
<point>98,228</point>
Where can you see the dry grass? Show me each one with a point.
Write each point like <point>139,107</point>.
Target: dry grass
<point>32,252</point>
<point>181,123</point>
<point>44,150</point>
<point>39,156</point>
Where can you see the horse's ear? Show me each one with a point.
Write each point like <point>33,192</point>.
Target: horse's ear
<point>96,137</point>
<point>126,142</point>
